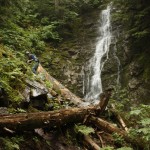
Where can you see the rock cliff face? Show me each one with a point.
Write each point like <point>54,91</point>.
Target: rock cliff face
<point>69,57</point>
<point>66,61</point>
<point>134,69</point>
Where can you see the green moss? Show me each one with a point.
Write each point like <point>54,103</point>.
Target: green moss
<point>13,72</point>
<point>144,60</point>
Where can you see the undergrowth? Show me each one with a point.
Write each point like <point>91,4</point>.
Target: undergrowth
<point>13,73</point>
<point>136,117</point>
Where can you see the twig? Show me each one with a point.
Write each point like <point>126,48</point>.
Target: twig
<point>102,143</point>
<point>8,130</point>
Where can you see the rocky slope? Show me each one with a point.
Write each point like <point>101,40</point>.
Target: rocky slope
<point>65,62</point>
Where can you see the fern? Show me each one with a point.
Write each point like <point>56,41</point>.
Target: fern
<point>13,73</point>
<point>124,148</point>
<point>84,129</point>
<point>145,122</point>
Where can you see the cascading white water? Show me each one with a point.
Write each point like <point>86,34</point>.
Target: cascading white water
<point>94,83</point>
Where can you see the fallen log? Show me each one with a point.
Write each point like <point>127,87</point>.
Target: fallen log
<point>110,128</point>
<point>57,86</point>
<point>29,121</point>
<point>106,126</point>
<point>90,143</point>
<point>119,118</point>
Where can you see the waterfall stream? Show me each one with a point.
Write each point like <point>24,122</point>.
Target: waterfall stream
<point>93,85</point>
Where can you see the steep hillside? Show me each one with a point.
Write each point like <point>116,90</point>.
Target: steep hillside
<point>63,34</point>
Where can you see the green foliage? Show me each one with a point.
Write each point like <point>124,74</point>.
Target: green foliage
<point>118,138</point>
<point>135,19</point>
<point>48,84</point>
<point>124,148</point>
<point>45,21</point>
<point>107,148</point>
<point>48,33</point>
<point>142,111</point>
<point>84,129</point>
<point>69,137</point>
<point>20,39</point>
<point>145,122</point>
<point>136,117</point>
<point>27,25</point>
<point>71,15</point>
<point>12,143</point>
<point>142,134</point>
<point>13,73</point>
<point>121,100</point>
<point>20,110</point>
<point>140,121</point>
<point>111,148</point>
<point>10,9</point>
<point>14,111</point>
<point>35,139</point>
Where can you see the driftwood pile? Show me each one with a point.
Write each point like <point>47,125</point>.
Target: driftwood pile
<point>86,115</point>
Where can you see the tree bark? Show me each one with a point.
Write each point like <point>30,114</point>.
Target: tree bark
<point>29,121</point>
<point>106,126</point>
<point>90,143</point>
<point>121,121</point>
<point>104,99</point>
<point>57,86</point>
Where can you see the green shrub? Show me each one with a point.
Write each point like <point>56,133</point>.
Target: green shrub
<point>12,143</point>
<point>49,33</point>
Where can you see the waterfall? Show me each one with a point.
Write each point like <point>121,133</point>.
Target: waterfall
<point>96,63</point>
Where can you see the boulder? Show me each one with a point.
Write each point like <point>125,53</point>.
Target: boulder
<point>34,90</point>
